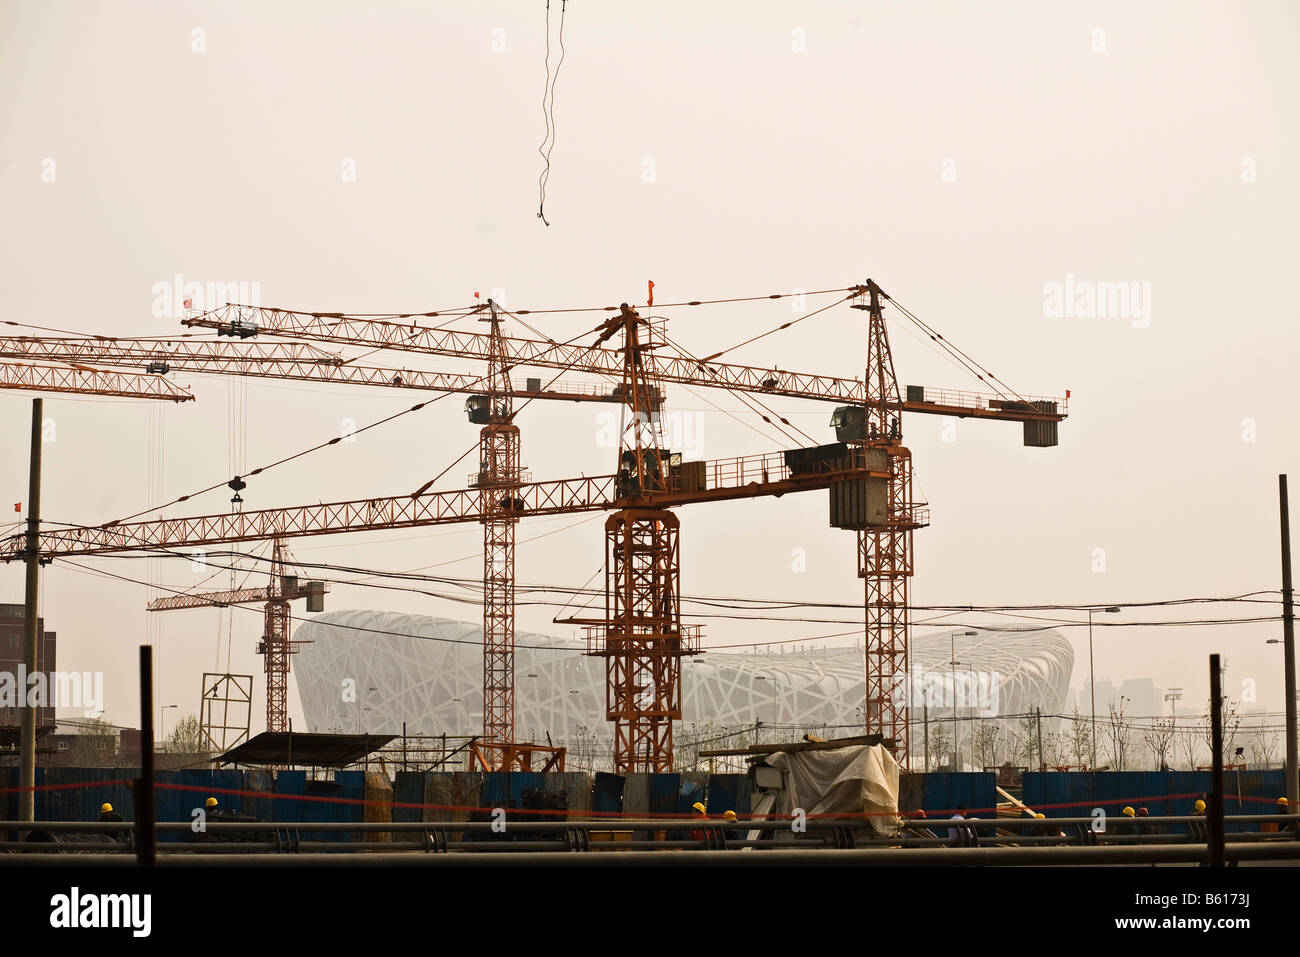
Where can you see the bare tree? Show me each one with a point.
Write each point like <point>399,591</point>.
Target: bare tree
<point>988,743</point>
<point>1056,746</point>
<point>1079,739</point>
<point>1189,741</point>
<point>1158,738</point>
<point>583,751</point>
<point>1264,749</point>
<point>1118,733</point>
<point>1231,722</point>
<point>1026,751</point>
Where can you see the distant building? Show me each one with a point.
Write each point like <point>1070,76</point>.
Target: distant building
<point>1143,698</point>
<point>13,622</point>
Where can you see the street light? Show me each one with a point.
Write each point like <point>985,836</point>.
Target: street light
<point>162,726</point>
<point>952,685</point>
<point>1092,680</point>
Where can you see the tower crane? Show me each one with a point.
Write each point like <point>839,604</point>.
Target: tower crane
<point>885,546</point>
<point>641,636</point>
<point>276,647</point>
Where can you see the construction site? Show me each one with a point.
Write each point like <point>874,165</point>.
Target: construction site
<point>426,792</point>
<point>801,476</point>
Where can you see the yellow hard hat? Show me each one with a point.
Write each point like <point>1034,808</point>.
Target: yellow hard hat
<point>1129,812</point>
<point>1282,802</point>
<point>729,815</point>
<point>107,808</point>
<point>1199,805</point>
<point>1040,814</point>
<point>697,806</point>
<point>210,802</point>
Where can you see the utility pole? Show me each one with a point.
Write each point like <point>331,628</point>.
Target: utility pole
<point>1288,647</point>
<point>1042,763</point>
<point>31,630</point>
<point>1172,697</point>
<point>925,710</point>
<point>1092,681</point>
<point>952,688</point>
<point>1215,815</point>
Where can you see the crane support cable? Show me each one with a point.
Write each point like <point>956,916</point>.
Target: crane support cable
<point>784,325</point>
<point>462,311</point>
<point>979,371</point>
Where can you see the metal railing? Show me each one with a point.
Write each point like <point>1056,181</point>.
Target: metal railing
<point>1064,840</point>
<point>597,639</point>
<point>983,400</point>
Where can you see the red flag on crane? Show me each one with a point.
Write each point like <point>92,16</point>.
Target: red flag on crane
<point>650,296</point>
<point>189,303</point>
<point>18,506</point>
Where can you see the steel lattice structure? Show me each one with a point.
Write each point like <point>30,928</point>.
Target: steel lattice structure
<point>429,673</point>
<point>641,637</point>
<point>82,380</point>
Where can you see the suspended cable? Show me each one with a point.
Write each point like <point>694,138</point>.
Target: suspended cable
<point>548,110</point>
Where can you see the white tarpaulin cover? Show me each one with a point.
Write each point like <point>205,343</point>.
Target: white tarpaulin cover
<point>853,780</point>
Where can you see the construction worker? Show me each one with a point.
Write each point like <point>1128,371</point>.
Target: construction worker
<point>212,809</point>
<point>1271,827</point>
<point>960,836</point>
<point>1143,826</point>
<point>107,815</point>
<point>1129,823</point>
<point>698,813</point>
<point>1197,832</point>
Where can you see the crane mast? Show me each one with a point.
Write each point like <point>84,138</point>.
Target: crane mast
<point>642,638</point>
<point>885,551</point>
<point>498,480</point>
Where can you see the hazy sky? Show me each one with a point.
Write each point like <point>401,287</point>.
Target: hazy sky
<point>382,157</point>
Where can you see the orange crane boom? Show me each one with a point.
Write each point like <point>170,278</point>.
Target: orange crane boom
<point>83,380</point>
<point>722,479</point>
<point>293,361</point>
<point>348,330</point>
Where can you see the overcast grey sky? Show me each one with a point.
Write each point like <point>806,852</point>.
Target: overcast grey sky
<point>382,157</point>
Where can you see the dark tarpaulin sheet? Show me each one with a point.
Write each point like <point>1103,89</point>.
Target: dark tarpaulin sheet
<point>306,750</point>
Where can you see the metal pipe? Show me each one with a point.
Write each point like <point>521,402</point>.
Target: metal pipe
<point>814,823</point>
<point>828,857</point>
